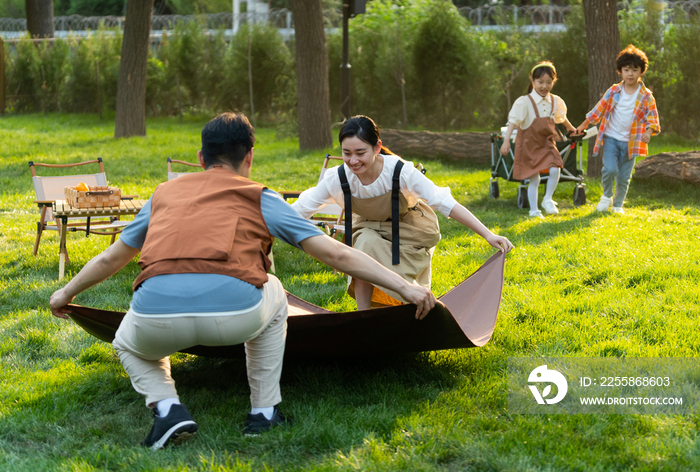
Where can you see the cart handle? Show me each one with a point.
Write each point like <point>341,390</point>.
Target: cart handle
<point>575,137</point>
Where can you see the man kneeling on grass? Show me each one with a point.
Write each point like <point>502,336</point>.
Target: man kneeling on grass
<point>204,240</point>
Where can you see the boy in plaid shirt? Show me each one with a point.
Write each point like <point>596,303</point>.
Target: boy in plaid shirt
<point>628,118</point>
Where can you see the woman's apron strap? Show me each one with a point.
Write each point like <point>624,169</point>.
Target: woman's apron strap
<point>395,184</point>
<point>348,204</point>
<point>395,203</point>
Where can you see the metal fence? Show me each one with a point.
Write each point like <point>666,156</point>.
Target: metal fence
<point>673,12</point>
<point>11,28</point>
<point>529,15</point>
<point>484,16</point>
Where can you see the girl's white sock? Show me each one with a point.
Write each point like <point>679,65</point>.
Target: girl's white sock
<point>532,191</point>
<point>267,411</point>
<point>163,406</point>
<point>552,181</point>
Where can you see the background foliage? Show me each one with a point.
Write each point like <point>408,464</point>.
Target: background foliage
<point>12,9</point>
<point>415,63</point>
<point>450,85</point>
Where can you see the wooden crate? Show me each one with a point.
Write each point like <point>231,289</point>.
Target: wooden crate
<point>98,196</point>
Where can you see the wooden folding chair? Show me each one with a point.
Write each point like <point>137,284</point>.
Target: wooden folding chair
<point>332,216</point>
<point>173,175</point>
<point>48,189</point>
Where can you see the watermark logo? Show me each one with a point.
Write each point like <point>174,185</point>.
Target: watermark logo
<point>549,376</point>
<point>603,385</point>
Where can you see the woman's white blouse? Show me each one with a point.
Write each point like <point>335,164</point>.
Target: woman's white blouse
<point>522,114</point>
<point>413,185</point>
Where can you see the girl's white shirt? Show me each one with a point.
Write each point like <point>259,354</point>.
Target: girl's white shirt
<point>412,182</point>
<point>522,114</point>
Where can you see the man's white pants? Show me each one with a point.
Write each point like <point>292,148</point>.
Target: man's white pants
<point>145,341</point>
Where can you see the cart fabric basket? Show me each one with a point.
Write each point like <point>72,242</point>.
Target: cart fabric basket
<point>98,196</point>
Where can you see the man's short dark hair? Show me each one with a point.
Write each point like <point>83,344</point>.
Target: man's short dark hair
<point>227,139</point>
<point>633,57</point>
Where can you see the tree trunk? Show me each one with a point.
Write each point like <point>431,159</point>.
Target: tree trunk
<point>2,76</point>
<point>313,96</point>
<point>131,88</point>
<point>39,18</point>
<point>684,166</point>
<point>471,146</point>
<point>603,44</point>
<point>250,75</point>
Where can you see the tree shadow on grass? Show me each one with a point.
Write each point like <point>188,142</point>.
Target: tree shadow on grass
<point>448,162</point>
<point>660,193</point>
<point>321,378</point>
<point>647,195</point>
<point>335,404</point>
<point>654,193</point>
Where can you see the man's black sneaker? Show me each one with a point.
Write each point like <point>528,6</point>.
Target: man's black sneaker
<point>256,424</point>
<point>175,428</point>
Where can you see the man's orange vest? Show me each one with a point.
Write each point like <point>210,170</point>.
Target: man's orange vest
<point>207,222</point>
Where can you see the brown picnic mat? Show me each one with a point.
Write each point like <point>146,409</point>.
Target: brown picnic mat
<point>465,317</point>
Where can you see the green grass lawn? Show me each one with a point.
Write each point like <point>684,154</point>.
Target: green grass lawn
<point>578,284</point>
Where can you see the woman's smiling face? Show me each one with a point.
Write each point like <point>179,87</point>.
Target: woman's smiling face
<point>359,155</point>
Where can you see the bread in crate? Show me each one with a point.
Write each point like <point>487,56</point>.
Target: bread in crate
<point>97,196</point>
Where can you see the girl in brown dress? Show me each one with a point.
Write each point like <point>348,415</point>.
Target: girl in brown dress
<point>535,116</point>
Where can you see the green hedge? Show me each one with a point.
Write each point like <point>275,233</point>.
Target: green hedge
<point>416,57</point>
<point>64,75</point>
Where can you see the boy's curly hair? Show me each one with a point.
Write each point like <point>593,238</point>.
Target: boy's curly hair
<point>632,56</point>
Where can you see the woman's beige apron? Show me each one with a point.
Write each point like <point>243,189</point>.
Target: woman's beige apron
<point>535,146</point>
<point>419,233</point>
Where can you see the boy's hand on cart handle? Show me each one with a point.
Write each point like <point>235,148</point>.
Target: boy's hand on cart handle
<point>575,135</point>
<point>582,127</point>
<point>505,148</point>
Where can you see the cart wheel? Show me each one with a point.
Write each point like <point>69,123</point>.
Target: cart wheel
<point>494,189</point>
<point>579,195</point>
<point>522,197</point>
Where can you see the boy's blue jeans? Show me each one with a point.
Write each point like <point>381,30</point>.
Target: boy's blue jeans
<point>616,165</point>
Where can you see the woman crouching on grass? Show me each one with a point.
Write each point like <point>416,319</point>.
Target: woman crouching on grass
<point>365,181</point>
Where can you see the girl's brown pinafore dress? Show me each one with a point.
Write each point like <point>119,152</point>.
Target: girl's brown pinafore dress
<point>535,146</point>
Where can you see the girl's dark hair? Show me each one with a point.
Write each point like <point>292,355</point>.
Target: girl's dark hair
<point>540,69</point>
<point>631,56</point>
<point>362,127</point>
